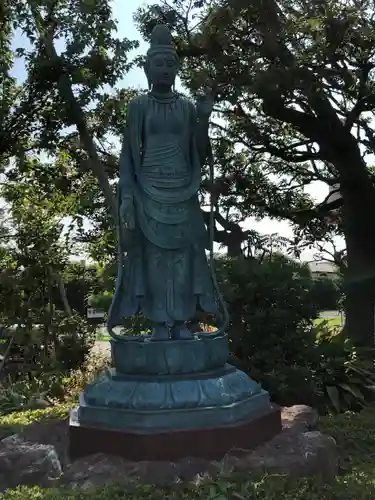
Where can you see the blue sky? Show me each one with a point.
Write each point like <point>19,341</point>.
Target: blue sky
<point>123,12</point>
<point>126,28</point>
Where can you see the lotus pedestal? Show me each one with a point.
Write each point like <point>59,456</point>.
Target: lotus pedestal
<point>167,400</point>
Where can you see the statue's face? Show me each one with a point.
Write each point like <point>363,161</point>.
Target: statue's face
<point>162,69</point>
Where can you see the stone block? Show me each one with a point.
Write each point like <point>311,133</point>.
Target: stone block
<point>208,443</point>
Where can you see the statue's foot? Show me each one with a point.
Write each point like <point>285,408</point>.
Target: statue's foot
<point>160,332</point>
<point>181,333</point>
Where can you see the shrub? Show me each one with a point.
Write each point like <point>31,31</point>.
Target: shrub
<point>273,338</point>
<point>38,393</point>
<point>326,293</point>
<point>133,325</point>
<point>328,374</point>
<point>75,339</point>
<point>343,377</point>
<point>60,347</point>
<point>269,298</point>
<point>77,379</point>
<point>22,395</point>
<point>50,388</point>
<point>271,311</point>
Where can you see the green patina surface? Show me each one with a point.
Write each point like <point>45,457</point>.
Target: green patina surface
<point>172,379</point>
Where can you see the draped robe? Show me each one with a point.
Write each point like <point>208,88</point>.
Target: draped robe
<point>164,272</point>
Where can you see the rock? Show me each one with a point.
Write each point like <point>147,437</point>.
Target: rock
<point>299,417</point>
<point>297,451</point>
<point>54,432</point>
<point>25,463</point>
<point>99,470</point>
<point>157,473</point>
<point>295,454</point>
<point>189,468</point>
<point>300,450</point>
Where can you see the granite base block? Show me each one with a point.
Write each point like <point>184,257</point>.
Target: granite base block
<point>210,443</point>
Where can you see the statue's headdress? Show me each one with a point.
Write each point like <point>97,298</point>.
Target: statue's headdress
<point>161,40</point>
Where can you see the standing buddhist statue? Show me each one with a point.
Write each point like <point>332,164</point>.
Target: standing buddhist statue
<point>164,272</point>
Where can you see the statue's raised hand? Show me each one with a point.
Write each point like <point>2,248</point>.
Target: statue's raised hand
<point>127,213</point>
<point>205,103</point>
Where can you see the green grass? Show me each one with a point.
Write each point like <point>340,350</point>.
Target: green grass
<point>331,322</point>
<point>354,433</point>
<point>102,338</point>
<point>27,417</point>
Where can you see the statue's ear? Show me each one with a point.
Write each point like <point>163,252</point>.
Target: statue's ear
<point>145,69</point>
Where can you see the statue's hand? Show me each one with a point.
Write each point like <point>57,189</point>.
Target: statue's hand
<point>127,213</point>
<point>205,104</point>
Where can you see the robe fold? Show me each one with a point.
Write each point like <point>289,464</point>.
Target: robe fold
<point>164,272</point>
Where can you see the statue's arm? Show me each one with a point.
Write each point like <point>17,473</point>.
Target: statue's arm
<point>126,180</point>
<point>129,151</point>
<point>201,125</point>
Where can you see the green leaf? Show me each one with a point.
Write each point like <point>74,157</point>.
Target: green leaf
<point>353,390</point>
<point>334,396</point>
<point>314,23</point>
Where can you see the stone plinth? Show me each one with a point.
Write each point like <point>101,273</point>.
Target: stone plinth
<point>164,400</point>
<point>210,443</point>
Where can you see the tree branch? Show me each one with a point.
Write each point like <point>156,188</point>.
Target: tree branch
<point>76,113</point>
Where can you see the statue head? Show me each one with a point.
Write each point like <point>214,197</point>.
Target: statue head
<point>162,62</point>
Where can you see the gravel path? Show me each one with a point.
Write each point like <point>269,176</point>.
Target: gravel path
<point>102,346</point>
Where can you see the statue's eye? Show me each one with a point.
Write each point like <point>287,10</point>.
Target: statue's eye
<point>158,61</point>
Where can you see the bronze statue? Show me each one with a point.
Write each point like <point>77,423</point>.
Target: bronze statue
<point>165,273</point>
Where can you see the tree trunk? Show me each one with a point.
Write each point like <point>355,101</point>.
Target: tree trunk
<point>359,285</point>
<point>76,114</point>
<point>234,248</point>
<point>359,310</point>
<point>359,228</point>
<point>234,242</point>
<point>65,301</point>
<point>64,297</point>
<point>8,349</point>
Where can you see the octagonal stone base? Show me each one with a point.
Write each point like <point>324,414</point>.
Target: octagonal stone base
<point>150,403</point>
<point>211,443</point>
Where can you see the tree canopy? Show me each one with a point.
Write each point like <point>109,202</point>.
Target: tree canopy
<point>294,87</point>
